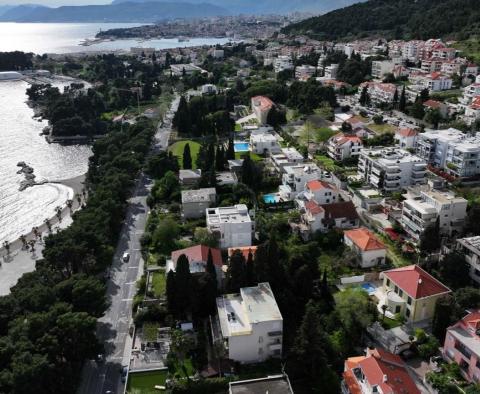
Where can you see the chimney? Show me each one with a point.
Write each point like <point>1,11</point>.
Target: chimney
<point>385,378</point>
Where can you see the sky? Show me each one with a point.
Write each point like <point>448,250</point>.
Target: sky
<point>54,3</point>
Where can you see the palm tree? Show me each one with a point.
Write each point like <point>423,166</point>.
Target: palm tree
<point>23,239</point>
<point>48,224</point>
<point>69,204</point>
<point>6,245</point>
<point>78,196</point>
<point>32,245</point>
<point>58,213</point>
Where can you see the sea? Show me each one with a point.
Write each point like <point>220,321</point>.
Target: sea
<point>20,138</point>
<point>43,38</point>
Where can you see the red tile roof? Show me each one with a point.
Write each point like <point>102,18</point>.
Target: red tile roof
<point>263,102</point>
<point>313,207</point>
<point>416,282</point>
<point>364,239</point>
<point>383,369</point>
<point>318,185</point>
<point>198,253</point>
<point>432,104</point>
<point>475,103</point>
<point>407,132</point>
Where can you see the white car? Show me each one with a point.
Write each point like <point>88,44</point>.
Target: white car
<point>126,256</point>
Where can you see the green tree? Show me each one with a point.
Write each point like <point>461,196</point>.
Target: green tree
<point>454,270</point>
<point>187,157</point>
<point>171,288</point>
<point>430,240</point>
<point>434,117</point>
<point>165,235</point>
<point>231,150</point>
<point>183,283</point>
<point>181,120</point>
<point>402,104</point>
<point>443,316</point>
<point>473,219</point>
<point>210,268</point>
<point>237,273</point>
<point>364,99</point>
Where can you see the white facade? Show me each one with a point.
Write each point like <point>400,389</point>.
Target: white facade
<point>9,76</point>
<point>264,143</point>
<point>406,138</point>
<point>321,192</point>
<point>391,169</point>
<point>232,225</point>
<point>209,89</point>
<point>305,72</point>
<point>288,157</point>
<point>451,150</point>
<point>187,69</point>
<point>470,248</point>
<point>470,92</point>
<point>331,71</point>
<point>295,178</point>
<point>195,202</point>
<point>282,63</point>
<point>382,67</point>
<point>431,206</point>
<point>251,324</point>
<point>369,250</point>
<point>341,147</point>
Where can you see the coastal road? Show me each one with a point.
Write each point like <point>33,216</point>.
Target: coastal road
<point>113,329</point>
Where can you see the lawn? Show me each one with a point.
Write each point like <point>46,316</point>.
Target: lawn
<point>388,323</point>
<point>177,150</point>
<point>382,128</point>
<point>470,48</point>
<point>159,283</point>
<point>188,366</point>
<point>323,134</point>
<point>253,156</point>
<point>238,127</point>
<point>326,162</point>
<point>144,382</point>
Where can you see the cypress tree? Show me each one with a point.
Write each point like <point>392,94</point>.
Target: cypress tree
<point>250,270</point>
<point>403,101</point>
<point>210,268</point>
<point>170,292</point>
<point>187,157</point>
<point>231,150</point>
<point>236,275</point>
<point>220,158</point>
<point>183,282</point>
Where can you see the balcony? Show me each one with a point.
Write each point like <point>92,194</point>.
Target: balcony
<point>274,346</point>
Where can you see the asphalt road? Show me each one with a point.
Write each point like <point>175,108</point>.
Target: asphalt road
<point>113,328</point>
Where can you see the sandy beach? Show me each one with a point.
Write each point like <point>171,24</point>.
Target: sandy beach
<point>20,260</point>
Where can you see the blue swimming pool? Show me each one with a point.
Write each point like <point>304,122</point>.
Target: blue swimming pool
<point>270,198</point>
<point>369,288</point>
<point>241,146</point>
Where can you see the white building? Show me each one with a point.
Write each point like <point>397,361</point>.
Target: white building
<point>232,225</point>
<point>406,138</point>
<point>382,67</point>
<point>369,249</point>
<point>261,106</point>
<point>251,325</point>
<point>472,111</point>
<point>296,177</point>
<point>187,69</point>
<point>305,72</point>
<point>431,206</point>
<point>436,82</point>
<point>288,157</point>
<point>470,248</point>
<point>209,89</point>
<point>264,143</point>
<point>321,192</point>
<point>195,202</point>
<point>341,147</point>
<point>10,76</point>
<point>379,92</point>
<point>331,71</point>
<point>391,169</point>
<point>470,92</point>
<point>282,63</point>
<point>451,150</point>
<point>218,53</point>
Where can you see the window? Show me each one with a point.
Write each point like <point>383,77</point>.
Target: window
<point>260,350</point>
<point>400,293</point>
<point>396,289</point>
<point>260,339</point>
<point>409,301</point>
<point>407,312</point>
<point>388,282</point>
<point>398,309</point>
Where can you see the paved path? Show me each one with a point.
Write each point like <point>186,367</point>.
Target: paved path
<point>113,328</point>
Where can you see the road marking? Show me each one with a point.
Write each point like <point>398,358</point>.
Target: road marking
<point>131,283</point>
<point>127,299</point>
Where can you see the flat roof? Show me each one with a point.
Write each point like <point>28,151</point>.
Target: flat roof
<point>421,206</point>
<point>472,242</point>
<point>232,316</point>
<point>260,303</point>
<point>278,384</point>
<point>198,195</point>
<point>464,337</point>
<point>236,214</point>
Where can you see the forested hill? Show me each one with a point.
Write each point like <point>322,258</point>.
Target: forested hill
<point>410,19</point>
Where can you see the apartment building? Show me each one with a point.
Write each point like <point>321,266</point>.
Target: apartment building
<point>470,92</point>
<point>296,177</point>
<point>391,169</point>
<point>451,150</point>
<point>472,111</point>
<point>188,69</point>
<point>341,146</point>
<point>195,202</point>
<point>432,207</point>
<point>282,63</point>
<point>232,225</point>
<point>432,65</point>
<point>378,371</point>
<point>261,106</point>
<point>264,143</point>
<point>470,248</point>
<point>406,137</point>
<point>462,346</point>
<point>382,67</point>
<point>412,292</point>
<point>379,92</point>
<point>288,157</point>
<point>249,325</point>
<point>322,192</point>
<point>331,71</point>
<point>305,72</point>
<point>370,251</point>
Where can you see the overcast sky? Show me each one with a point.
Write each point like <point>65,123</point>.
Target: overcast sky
<point>54,3</point>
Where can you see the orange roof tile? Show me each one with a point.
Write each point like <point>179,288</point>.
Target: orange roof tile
<point>246,250</point>
<point>199,253</point>
<point>318,185</point>
<point>364,239</point>
<point>416,282</point>
<point>312,207</point>
<point>407,132</point>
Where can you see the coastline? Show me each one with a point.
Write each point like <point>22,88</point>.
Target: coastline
<point>76,185</point>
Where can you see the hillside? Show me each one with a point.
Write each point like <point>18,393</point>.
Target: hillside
<point>411,19</point>
<point>270,6</point>
<point>124,12</point>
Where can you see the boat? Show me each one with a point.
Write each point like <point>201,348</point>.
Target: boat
<point>10,76</point>
<point>183,39</point>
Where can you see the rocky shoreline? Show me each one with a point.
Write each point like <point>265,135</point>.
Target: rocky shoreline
<point>29,180</point>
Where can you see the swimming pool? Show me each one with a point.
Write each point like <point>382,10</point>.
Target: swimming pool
<point>270,198</point>
<point>369,288</point>
<point>241,146</point>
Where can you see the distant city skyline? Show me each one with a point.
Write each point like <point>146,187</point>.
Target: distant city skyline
<point>54,3</point>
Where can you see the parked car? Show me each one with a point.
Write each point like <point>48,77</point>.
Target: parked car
<point>126,256</point>
<point>124,373</point>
